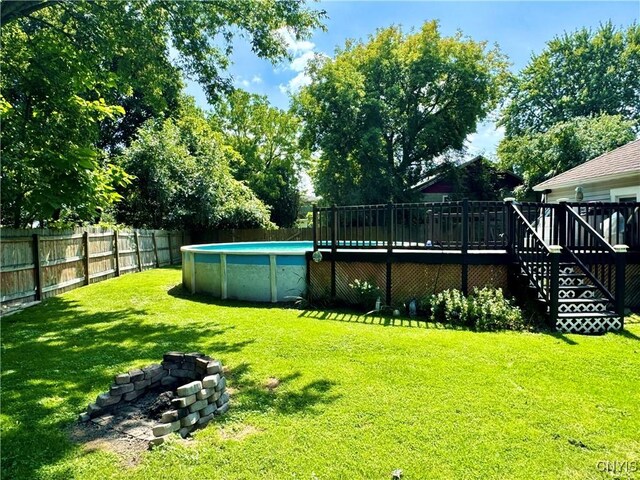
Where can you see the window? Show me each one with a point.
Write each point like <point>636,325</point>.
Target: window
<point>626,194</point>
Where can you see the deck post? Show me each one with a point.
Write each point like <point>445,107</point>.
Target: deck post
<point>561,218</point>
<point>620,256</point>
<point>554,285</point>
<point>334,248</point>
<point>313,224</point>
<point>510,227</point>
<point>390,223</point>
<point>465,246</point>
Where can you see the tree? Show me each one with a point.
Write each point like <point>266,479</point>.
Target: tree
<point>49,166</point>
<point>183,179</point>
<point>580,74</point>
<point>266,139</point>
<point>538,156</point>
<point>477,180</point>
<point>68,68</point>
<point>379,112</point>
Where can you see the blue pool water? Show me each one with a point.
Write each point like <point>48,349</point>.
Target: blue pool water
<point>256,247</point>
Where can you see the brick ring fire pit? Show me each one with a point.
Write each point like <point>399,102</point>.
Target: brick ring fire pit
<point>179,395</point>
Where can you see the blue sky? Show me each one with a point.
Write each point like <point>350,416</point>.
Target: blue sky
<point>519,28</point>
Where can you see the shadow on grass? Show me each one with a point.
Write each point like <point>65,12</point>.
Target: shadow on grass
<point>56,353</point>
<point>376,319</point>
<point>280,396</point>
<point>179,292</point>
<point>627,334</point>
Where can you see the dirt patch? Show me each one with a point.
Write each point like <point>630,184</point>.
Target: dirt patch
<point>238,432</point>
<point>272,383</point>
<point>94,437</point>
<point>126,430</point>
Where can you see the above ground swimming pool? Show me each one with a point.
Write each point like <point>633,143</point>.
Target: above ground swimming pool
<point>255,271</point>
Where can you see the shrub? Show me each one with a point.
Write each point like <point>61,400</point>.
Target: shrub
<point>488,309</point>
<point>451,307</point>
<point>366,293</point>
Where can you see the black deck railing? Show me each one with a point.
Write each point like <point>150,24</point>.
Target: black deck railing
<point>617,223</point>
<point>464,225</point>
<point>537,235</point>
<point>536,258</point>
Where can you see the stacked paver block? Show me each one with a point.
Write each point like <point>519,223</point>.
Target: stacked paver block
<point>197,401</point>
<point>198,381</point>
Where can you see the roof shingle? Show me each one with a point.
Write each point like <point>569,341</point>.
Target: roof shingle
<point>624,159</point>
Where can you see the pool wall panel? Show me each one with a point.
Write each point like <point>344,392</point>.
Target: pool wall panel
<point>208,278</point>
<point>290,281</point>
<point>259,276</point>
<point>249,282</point>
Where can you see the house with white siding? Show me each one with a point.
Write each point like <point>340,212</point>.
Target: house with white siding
<point>612,177</point>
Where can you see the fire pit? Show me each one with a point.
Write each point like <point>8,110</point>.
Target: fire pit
<point>183,393</point>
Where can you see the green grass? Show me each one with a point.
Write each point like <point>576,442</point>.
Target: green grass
<point>359,396</point>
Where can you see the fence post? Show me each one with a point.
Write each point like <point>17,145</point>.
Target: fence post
<point>621,261</point>
<point>334,248</point>
<point>137,240</point>
<point>116,247</point>
<point>155,248</point>
<point>85,242</point>
<point>314,221</point>
<point>37,269</point>
<point>170,251</point>
<point>554,284</point>
<point>465,246</point>
<point>390,222</point>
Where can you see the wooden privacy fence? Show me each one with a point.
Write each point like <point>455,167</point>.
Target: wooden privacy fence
<point>36,264</point>
<point>253,235</point>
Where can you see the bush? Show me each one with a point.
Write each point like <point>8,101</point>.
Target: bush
<point>486,309</point>
<point>451,307</point>
<point>366,293</point>
<point>489,310</point>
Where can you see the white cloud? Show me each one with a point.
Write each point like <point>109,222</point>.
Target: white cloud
<point>299,81</point>
<point>294,46</point>
<point>256,79</point>
<point>485,140</point>
<point>302,52</point>
<point>298,64</point>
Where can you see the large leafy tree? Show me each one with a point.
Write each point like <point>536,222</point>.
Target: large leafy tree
<point>183,178</point>
<point>270,158</point>
<point>69,68</point>
<point>539,156</point>
<point>380,111</point>
<point>578,74</point>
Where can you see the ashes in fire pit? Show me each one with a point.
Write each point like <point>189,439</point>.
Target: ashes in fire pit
<point>179,395</point>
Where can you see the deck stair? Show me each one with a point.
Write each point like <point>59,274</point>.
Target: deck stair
<point>576,284</point>
<point>582,308</point>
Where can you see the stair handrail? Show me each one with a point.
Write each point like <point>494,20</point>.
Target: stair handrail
<point>599,238</point>
<point>604,248</point>
<point>530,227</point>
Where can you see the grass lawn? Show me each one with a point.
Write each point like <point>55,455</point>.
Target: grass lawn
<point>358,397</point>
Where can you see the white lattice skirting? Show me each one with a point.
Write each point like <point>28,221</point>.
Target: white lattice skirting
<point>588,325</point>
